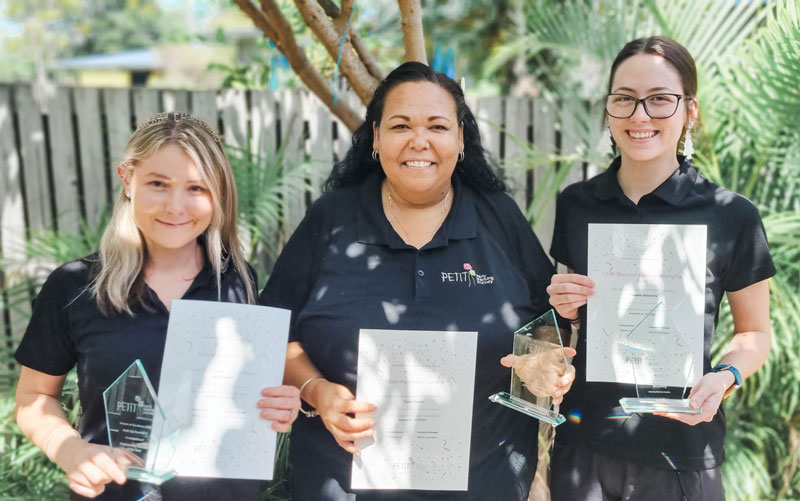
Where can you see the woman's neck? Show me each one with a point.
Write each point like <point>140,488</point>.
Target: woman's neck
<point>638,178</point>
<point>187,259</point>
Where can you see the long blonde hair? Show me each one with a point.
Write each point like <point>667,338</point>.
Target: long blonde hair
<point>119,283</point>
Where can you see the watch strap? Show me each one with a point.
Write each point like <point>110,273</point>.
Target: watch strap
<point>737,376</point>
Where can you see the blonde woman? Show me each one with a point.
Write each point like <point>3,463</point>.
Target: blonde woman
<point>172,235</point>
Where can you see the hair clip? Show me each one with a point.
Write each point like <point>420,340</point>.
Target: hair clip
<point>177,116</point>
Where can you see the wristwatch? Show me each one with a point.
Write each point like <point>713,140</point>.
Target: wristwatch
<point>737,377</point>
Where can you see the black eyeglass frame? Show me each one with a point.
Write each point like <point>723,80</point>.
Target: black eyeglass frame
<point>644,104</point>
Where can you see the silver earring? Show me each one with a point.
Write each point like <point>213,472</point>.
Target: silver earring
<point>128,194</point>
<point>374,154</point>
<point>688,147</point>
<point>461,156</point>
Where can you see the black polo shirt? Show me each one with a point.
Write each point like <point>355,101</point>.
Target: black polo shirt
<point>737,256</point>
<point>345,268</point>
<point>67,328</point>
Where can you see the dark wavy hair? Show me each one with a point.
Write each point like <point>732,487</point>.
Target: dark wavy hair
<point>475,170</point>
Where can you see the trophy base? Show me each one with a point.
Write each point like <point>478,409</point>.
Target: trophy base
<point>156,477</point>
<point>650,405</point>
<point>542,414</point>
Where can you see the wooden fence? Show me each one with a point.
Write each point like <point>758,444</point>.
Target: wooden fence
<point>58,154</point>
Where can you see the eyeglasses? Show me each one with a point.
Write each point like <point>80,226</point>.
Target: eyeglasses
<point>656,106</point>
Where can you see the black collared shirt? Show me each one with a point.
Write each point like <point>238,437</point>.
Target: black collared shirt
<point>67,328</point>
<point>737,256</point>
<point>345,268</point>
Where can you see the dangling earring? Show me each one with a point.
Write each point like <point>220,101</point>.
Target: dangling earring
<point>688,147</point>
<point>374,154</point>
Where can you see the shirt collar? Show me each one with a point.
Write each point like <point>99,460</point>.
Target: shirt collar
<point>673,190</point>
<point>373,227</point>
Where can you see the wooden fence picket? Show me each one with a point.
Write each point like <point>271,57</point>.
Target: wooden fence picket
<point>146,103</point>
<point>204,106</point>
<point>320,143</point>
<point>175,100</point>
<point>489,114</point>
<point>264,124</point>
<point>63,160</point>
<point>92,158</point>
<point>292,129</point>
<point>517,122</point>
<point>544,137</point>
<point>34,160</point>
<point>117,109</point>
<point>233,111</point>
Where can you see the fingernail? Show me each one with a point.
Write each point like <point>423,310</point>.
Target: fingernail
<point>693,404</point>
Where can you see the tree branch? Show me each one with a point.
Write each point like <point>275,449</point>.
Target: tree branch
<point>332,10</point>
<point>260,20</point>
<point>366,56</point>
<point>274,25</point>
<point>413,37</point>
<point>360,80</point>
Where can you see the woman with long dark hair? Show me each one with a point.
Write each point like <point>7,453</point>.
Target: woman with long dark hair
<point>603,452</point>
<point>413,204</point>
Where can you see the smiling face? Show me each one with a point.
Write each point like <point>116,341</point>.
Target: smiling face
<point>172,205</point>
<point>418,140</point>
<point>639,137</point>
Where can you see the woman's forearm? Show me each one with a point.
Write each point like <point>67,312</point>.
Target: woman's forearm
<point>40,416</point>
<point>748,351</point>
<point>749,348</point>
<point>301,372</point>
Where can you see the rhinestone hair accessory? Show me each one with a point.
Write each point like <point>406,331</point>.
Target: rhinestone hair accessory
<point>177,116</point>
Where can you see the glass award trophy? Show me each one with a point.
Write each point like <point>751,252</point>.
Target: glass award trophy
<point>131,405</point>
<point>659,362</point>
<point>539,342</point>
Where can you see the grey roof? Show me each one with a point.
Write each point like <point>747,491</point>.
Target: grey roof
<point>132,60</point>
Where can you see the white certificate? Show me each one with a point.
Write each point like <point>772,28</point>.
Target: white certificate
<point>217,359</point>
<point>422,383</point>
<point>645,319</point>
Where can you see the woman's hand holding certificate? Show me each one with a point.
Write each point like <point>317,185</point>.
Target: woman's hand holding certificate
<point>336,405</point>
<point>568,292</point>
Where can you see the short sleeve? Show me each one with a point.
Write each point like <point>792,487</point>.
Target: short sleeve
<point>751,261</point>
<point>558,246</point>
<point>292,278</point>
<point>529,254</point>
<point>47,345</point>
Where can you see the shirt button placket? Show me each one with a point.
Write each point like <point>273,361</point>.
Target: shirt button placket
<point>419,271</point>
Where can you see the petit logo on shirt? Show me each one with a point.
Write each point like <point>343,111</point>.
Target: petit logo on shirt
<point>469,276</point>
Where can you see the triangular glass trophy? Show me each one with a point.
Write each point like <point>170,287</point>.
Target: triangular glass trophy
<point>659,363</point>
<point>540,342</point>
<point>131,404</point>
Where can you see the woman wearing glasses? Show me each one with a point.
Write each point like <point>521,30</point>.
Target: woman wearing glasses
<point>602,452</point>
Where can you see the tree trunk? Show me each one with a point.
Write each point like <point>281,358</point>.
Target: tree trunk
<point>413,37</point>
